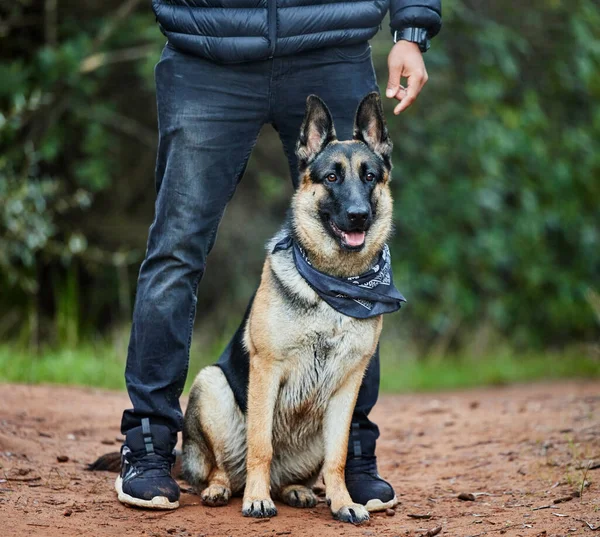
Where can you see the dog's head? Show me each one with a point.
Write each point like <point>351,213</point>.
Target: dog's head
<point>342,210</point>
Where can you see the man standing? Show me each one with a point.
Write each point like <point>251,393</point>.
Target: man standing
<point>229,67</point>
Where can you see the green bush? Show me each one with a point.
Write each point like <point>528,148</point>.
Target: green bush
<point>498,176</point>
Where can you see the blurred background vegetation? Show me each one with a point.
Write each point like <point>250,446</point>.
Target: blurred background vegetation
<point>497,187</point>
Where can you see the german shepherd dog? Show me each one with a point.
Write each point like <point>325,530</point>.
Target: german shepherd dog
<point>307,360</point>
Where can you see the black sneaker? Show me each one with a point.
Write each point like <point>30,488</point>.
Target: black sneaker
<point>147,458</point>
<point>366,486</point>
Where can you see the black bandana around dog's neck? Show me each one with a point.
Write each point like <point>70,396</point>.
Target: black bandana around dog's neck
<point>367,295</point>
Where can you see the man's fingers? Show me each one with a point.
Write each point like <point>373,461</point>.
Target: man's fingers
<point>394,91</point>
<point>391,90</point>
<point>409,97</point>
<point>415,85</point>
<point>393,84</point>
<point>400,93</point>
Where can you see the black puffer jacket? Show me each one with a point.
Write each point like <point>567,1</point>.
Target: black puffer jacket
<point>233,31</point>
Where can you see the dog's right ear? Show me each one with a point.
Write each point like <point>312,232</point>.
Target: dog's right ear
<point>316,131</point>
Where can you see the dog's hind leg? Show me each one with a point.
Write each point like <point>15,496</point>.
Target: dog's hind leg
<point>214,437</point>
<point>294,490</point>
<point>218,490</point>
<point>298,496</point>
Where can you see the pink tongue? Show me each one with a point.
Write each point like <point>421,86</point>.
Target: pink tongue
<point>354,238</point>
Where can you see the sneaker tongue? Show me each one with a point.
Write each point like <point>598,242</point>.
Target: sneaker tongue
<point>354,238</point>
<point>154,465</point>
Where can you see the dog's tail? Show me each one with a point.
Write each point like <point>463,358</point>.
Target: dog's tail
<point>111,462</point>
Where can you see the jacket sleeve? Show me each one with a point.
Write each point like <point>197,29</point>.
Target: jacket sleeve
<point>416,14</point>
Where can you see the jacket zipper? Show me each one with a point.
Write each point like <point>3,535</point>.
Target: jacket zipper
<point>272,23</point>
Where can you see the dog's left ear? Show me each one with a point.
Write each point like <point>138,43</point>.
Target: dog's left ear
<point>370,127</point>
<point>316,131</point>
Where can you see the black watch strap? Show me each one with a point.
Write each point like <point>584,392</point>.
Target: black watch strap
<point>415,35</point>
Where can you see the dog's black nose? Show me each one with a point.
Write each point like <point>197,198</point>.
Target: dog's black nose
<point>357,216</point>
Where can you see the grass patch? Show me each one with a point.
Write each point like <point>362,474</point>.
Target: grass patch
<point>103,365</point>
<point>86,365</point>
<point>500,368</point>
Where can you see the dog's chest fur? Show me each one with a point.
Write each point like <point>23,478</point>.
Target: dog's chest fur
<point>315,346</point>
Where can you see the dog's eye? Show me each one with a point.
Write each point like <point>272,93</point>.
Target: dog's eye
<point>370,177</point>
<point>332,177</point>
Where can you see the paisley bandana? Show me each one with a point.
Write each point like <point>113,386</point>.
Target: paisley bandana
<point>367,295</point>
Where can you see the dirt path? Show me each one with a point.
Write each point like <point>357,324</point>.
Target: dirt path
<point>515,449</point>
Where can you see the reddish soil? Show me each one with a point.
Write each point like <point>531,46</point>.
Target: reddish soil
<point>517,450</point>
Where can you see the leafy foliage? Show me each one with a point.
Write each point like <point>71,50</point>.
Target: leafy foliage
<point>57,126</point>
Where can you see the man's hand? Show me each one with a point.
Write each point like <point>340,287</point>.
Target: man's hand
<point>405,60</point>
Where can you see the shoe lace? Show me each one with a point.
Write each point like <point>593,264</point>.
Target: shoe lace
<point>366,465</point>
<point>144,462</point>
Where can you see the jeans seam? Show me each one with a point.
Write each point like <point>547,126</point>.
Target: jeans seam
<point>192,316</point>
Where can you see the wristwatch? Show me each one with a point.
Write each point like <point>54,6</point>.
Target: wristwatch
<point>415,35</point>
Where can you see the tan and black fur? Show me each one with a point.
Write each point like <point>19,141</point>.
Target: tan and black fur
<point>306,359</point>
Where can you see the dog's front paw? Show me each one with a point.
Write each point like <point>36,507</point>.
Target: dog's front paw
<point>353,513</point>
<point>259,508</point>
<point>215,495</point>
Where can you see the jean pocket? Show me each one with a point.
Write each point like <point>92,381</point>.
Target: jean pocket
<point>353,53</point>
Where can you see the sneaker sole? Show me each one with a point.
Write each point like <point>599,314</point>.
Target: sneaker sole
<point>158,502</point>
<point>375,505</point>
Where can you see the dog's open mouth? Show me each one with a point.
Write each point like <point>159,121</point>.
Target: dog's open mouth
<point>350,239</point>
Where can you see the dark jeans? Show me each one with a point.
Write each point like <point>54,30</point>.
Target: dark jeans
<point>209,117</point>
